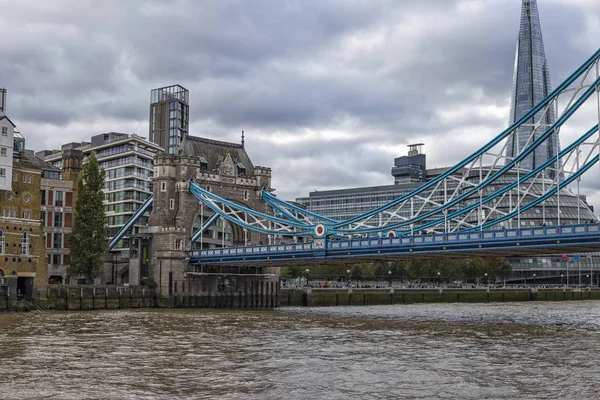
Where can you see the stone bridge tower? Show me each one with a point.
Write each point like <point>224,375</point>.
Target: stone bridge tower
<point>224,169</point>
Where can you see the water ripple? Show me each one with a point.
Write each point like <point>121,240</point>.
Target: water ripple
<point>446,351</point>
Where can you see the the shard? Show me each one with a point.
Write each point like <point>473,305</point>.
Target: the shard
<point>531,84</point>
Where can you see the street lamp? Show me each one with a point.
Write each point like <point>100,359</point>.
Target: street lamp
<point>588,277</point>
<point>533,279</point>
<point>348,272</point>
<point>439,283</point>
<point>561,279</point>
<point>307,271</point>
<point>390,276</point>
<point>486,279</point>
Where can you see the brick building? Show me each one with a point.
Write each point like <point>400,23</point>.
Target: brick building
<point>22,250</point>
<point>58,196</point>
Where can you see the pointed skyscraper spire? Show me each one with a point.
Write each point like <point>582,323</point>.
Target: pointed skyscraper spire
<point>531,84</point>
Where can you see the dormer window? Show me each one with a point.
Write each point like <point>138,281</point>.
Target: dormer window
<point>241,169</point>
<point>203,164</point>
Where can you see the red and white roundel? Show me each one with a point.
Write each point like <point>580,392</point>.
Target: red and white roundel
<point>320,230</point>
<point>391,234</point>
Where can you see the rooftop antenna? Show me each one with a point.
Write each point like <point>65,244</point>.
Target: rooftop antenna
<point>242,139</point>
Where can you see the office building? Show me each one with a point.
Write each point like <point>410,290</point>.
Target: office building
<point>531,84</point>
<point>412,167</point>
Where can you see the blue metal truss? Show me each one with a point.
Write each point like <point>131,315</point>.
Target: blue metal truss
<point>291,219</point>
<point>130,222</point>
<point>204,227</point>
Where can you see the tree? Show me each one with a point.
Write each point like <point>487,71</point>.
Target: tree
<point>89,236</point>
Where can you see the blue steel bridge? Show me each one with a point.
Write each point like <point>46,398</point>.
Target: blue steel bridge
<point>473,208</point>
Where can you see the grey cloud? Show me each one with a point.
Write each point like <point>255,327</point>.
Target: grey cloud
<point>382,73</point>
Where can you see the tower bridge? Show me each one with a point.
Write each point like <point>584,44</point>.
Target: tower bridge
<point>473,208</point>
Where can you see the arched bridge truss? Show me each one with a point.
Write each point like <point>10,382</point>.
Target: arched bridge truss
<point>487,190</point>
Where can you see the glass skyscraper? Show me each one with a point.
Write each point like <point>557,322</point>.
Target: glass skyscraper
<point>531,84</point>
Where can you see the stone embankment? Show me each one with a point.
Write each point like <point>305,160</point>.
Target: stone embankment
<point>80,298</point>
<point>316,297</point>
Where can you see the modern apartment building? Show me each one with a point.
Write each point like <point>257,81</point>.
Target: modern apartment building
<point>128,161</point>
<point>169,117</point>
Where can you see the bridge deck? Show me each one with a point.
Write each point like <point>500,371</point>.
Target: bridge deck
<point>506,242</point>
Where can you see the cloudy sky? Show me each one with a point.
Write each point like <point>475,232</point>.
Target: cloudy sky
<point>328,92</point>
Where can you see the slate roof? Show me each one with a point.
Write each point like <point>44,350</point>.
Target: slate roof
<point>39,163</point>
<point>214,151</point>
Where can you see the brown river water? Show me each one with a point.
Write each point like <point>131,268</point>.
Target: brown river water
<point>426,351</point>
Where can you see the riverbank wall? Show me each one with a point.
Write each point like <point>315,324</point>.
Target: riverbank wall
<point>81,298</point>
<point>327,297</point>
<point>78,298</point>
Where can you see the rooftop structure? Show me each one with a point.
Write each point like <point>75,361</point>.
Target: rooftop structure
<point>169,117</point>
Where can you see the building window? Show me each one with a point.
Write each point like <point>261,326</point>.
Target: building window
<point>15,176</point>
<point>3,151</point>
<point>178,244</point>
<point>2,172</point>
<point>10,196</point>
<point>246,196</point>
<point>163,186</point>
<point>58,220</point>
<point>28,178</point>
<point>171,204</point>
<point>26,214</point>
<point>58,199</point>
<point>25,244</point>
<point>2,243</point>
<point>27,198</point>
<point>57,241</point>
<point>56,259</point>
<point>4,131</point>
<point>208,188</point>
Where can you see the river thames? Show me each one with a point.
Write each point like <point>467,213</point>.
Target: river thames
<point>467,351</point>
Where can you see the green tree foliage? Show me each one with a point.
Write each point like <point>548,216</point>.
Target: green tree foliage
<point>463,269</point>
<point>89,236</point>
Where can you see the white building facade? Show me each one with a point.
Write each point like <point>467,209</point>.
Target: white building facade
<point>7,134</point>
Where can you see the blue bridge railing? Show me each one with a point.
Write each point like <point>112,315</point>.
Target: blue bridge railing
<point>414,241</point>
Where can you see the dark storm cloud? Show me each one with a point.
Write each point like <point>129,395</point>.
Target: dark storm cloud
<point>329,92</point>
